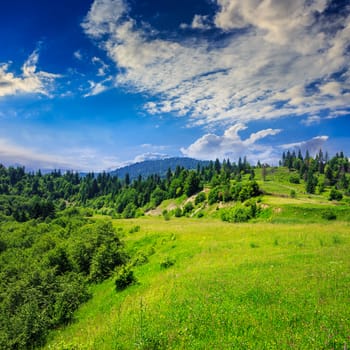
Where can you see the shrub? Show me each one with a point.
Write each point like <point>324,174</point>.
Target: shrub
<point>166,215</point>
<point>214,195</point>
<point>178,212</point>
<point>134,229</point>
<point>167,262</point>
<point>335,195</point>
<point>238,213</point>
<point>140,259</point>
<point>200,198</point>
<point>188,208</point>
<point>329,215</point>
<point>125,278</point>
<point>294,179</point>
<point>129,211</point>
<point>293,194</point>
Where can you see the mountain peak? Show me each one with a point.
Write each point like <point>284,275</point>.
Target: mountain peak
<point>158,166</point>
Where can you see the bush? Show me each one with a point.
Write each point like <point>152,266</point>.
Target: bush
<point>214,195</point>
<point>335,195</point>
<point>135,229</point>
<point>200,198</point>
<point>125,278</point>
<point>329,215</point>
<point>238,213</point>
<point>140,259</point>
<point>294,179</point>
<point>129,211</point>
<point>188,208</point>
<point>178,212</point>
<point>167,262</point>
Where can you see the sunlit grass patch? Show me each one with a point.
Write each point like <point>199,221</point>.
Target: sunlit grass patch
<point>288,291</point>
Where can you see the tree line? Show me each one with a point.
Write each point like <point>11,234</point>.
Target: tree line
<point>319,172</point>
<point>27,196</point>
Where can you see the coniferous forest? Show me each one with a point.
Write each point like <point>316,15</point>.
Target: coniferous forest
<point>57,239</point>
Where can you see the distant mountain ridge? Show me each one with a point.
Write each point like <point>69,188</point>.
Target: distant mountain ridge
<point>157,166</point>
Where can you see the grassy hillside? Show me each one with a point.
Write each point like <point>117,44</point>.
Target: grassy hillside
<point>183,271</point>
<point>206,284</point>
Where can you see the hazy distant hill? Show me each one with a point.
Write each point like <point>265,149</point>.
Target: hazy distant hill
<point>159,166</point>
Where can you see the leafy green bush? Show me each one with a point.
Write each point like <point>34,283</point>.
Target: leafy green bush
<point>329,215</point>
<point>167,262</point>
<point>200,198</point>
<point>188,208</point>
<point>139,259</point>
<point>294,179</point>
<point>129,211</point>
<point>45,269</point>
<point>166,215</point>
<point>335,195</point>
<point>135,229</point>
<point>178,212</point>
<point>241,212</point>
<point>125,278</point>
<point>213,196</point>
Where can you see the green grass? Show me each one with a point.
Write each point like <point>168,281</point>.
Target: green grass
<point>230,286</point>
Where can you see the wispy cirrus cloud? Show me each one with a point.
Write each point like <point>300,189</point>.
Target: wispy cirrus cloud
<point>30,81</point>
<point>79,159</point>
<point>97,88</point>
<point>278,58</point>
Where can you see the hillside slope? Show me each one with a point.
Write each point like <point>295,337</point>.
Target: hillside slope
<point>279,282</point>
<point>206,284</point>
<point>159,167</point>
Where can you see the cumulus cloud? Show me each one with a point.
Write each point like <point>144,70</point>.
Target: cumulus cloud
<point>282,63</point>
<point>104,16</point>
<point>279,21</point>
<point>230,145</point>
<point>30,81</point>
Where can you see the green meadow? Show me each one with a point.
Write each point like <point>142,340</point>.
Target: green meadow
<point>208,284</point>
<point>205,259</point>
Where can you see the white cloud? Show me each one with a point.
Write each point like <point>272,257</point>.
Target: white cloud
<point>78,55</point>
<point>103,16</point>
<point>149,156</point>
<point>30,81</point>
<point>85,159</point>
<point>332,88</point>
<point>230,145</point>
<point>313,145</point>
<point>262,72</point>
<point>97,88</point>
<point>103,66</point>
<point>280,21</point>
<point>199,22</point>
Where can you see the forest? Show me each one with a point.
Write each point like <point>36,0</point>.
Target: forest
<point>53,247</point>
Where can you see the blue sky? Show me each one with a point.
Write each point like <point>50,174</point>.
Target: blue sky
<point>92,85</point>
